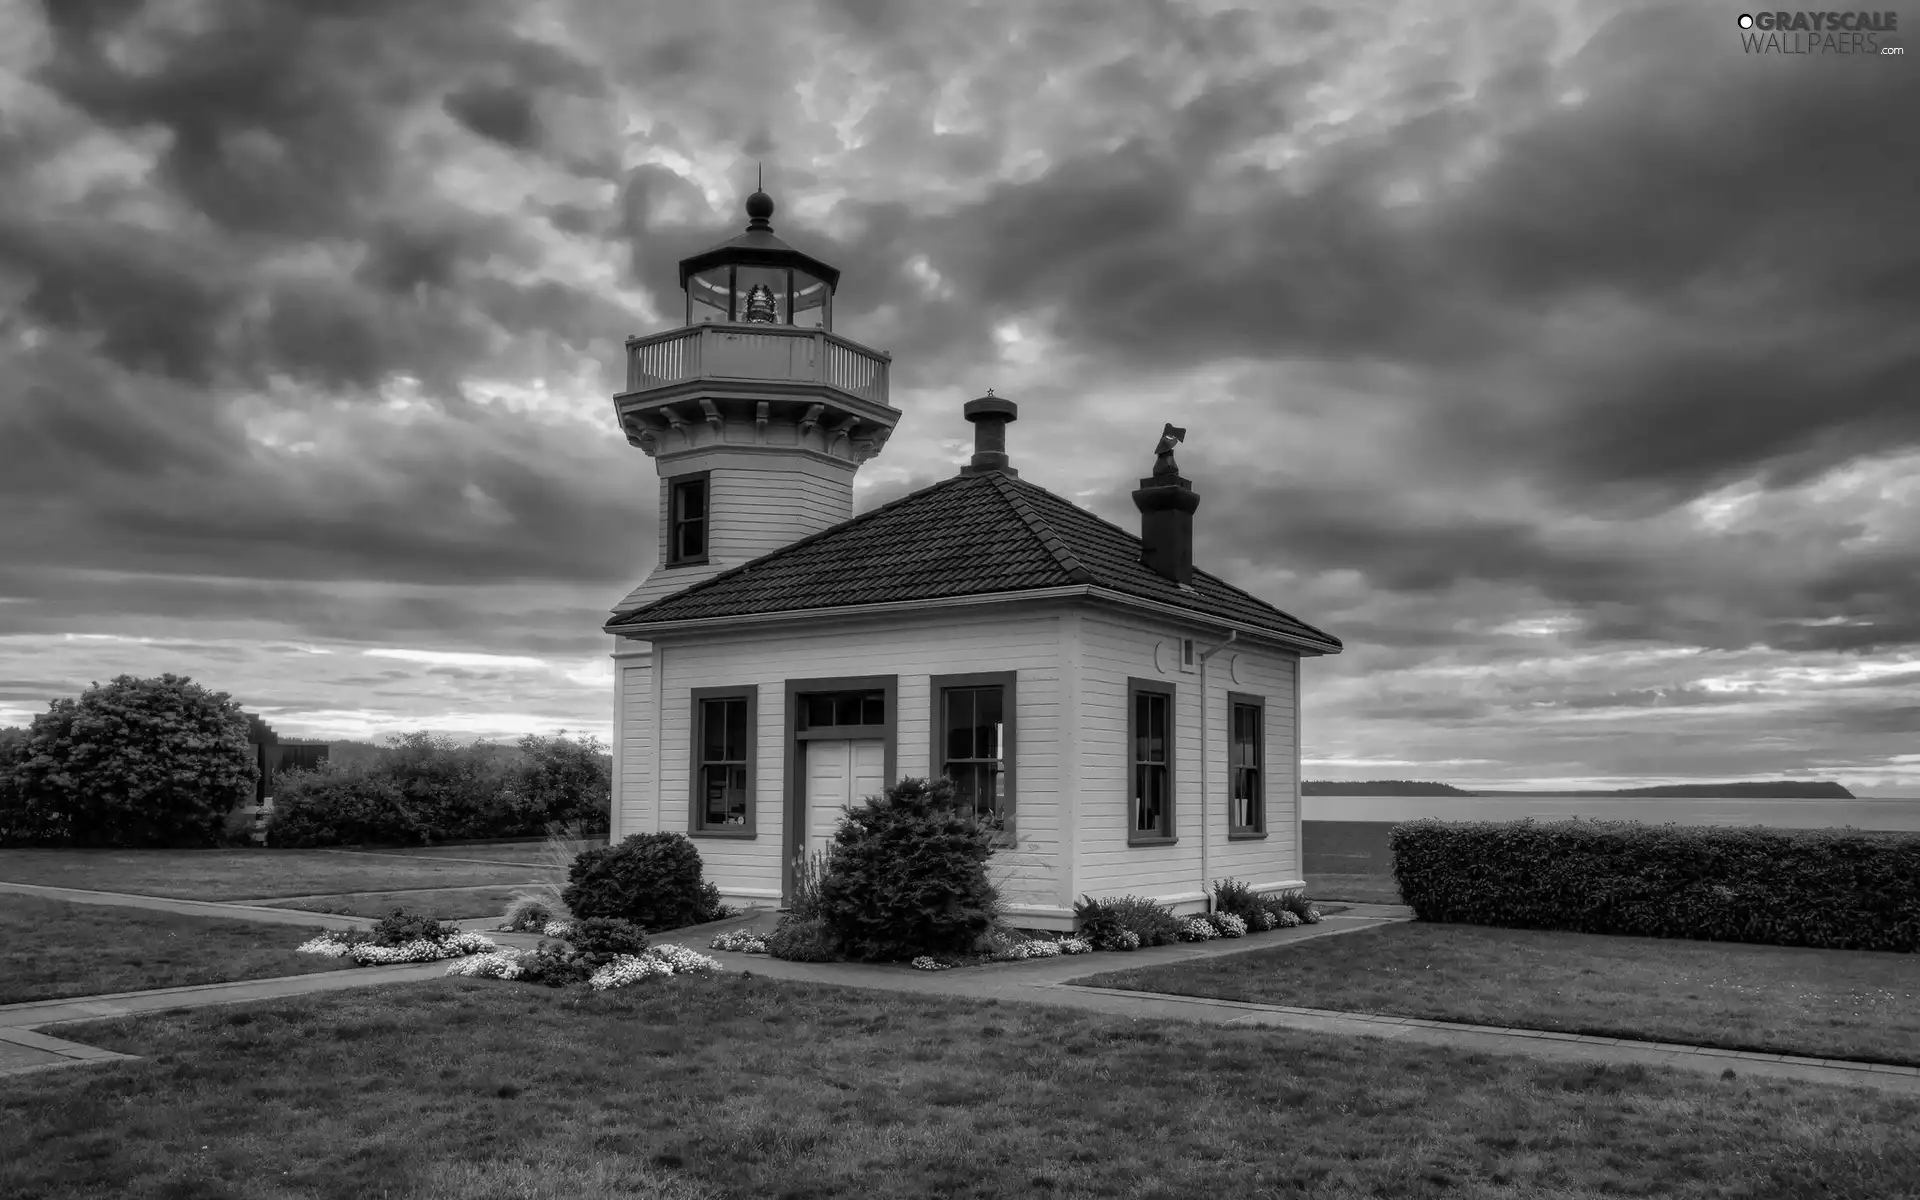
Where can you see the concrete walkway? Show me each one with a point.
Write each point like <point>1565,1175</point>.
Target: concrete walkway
<point>1039,981</point>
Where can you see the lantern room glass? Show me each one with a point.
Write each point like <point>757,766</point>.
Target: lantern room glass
<point>760,295</point>
<point>812,302</point>
<point>709,295</point>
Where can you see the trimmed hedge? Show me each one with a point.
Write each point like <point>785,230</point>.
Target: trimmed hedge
<point>1829,888</point>
<point>651,879</point>
<point>908,875</point>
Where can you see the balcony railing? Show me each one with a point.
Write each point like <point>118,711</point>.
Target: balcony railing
<point>750,352</point>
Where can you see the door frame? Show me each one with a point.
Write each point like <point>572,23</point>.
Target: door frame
<point>795,832</point>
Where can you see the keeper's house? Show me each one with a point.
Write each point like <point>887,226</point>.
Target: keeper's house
<point>1130,724</point>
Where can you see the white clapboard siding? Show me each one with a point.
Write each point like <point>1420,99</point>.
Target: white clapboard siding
<point>914,648</point>
<point>1112,649</point>
<point>633,781</point>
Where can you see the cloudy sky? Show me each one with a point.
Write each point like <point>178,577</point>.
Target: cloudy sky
<point>1562,358</point>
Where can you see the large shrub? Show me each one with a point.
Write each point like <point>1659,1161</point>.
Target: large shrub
<point>17,823</point>
<point>133,762</point>
<point>336,804</point>
<point>567,782</point>
<point>452,791</point>
<point>909,875</point>
<point>1831,888</point>
<point>422,788</point>
<point>651,879</point>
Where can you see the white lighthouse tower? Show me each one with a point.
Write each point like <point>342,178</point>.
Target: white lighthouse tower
<point>755,412</point>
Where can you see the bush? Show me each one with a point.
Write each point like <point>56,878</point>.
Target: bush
<point>133,762</point>
<point>909,875</point>
<point>567,782</point>
<point>1830,888</point>
<point>600,940</point>
<point>1127,923</point>
<point>528,914</point>
<point>1232,896</point>
<point>555,965</point>
<point>651,879</point>
<point>1226,924</point>
<point>1097,923</point>
<point>804,939</point>
<point>337,804</point>
<point>401,926</point>
<point>807,874</point>
<point>1151,921</point>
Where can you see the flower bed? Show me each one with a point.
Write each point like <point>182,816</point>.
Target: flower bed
<point>362,949</point>
<point>1114,925</point>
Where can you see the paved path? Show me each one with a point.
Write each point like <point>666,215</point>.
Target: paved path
<point>1041,981</point>
<point>196,908</point>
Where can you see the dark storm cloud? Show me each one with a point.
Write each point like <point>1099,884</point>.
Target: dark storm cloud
<point>1768,260</point>
<point>505,114</point>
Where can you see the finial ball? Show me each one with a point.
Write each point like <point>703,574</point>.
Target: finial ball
<point>760,206</point>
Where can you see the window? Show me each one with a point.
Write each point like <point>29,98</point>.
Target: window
<point>1246,760</point>
<point>1150,718</point>
<point>851,712</point>
<point>687,520</point>
<point>973,744</point>
<point>723,761</point>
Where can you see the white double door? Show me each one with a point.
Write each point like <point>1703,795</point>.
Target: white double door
<point>840,773</point>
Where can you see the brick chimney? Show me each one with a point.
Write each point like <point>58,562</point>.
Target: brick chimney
<point>1167,503</point>
<point>990,415</point>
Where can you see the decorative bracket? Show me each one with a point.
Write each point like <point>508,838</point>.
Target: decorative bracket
<point>811,418</point>
<point>715,421</point>
<point>760,422</point>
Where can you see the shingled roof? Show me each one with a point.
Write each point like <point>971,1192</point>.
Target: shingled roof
<point>972,535</point>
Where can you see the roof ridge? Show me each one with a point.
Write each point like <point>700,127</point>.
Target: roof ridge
<point>1055,544</point>
<point>621,618</point>
<point>1210,576</point>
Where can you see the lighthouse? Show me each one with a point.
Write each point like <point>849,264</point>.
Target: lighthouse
<point>757,414</point>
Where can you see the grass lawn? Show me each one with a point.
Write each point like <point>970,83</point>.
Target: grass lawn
<point>1851,1004</point>
<point>1366,889</point>
<point>245,874</point>
<point>50,949</point>
<point>444,904</point>
<point>744,1087</point>
<point>527,852</point>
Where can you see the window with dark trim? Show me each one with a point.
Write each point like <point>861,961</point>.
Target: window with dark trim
<point>973,744</point>
<point>724,732</point>
<point>1246,766</point>
<point>687,519</point>
<point>1150,744</point>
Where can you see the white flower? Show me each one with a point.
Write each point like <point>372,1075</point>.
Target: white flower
<point>422,950</point>
<point>1075,945</point>
<point>325,944</point>
<point>1042,949</point>
<point>1230,925</point>
<point>468,942</point>
<point>1288,919</point>
<point>927,962</point>
<point>557,929</point>
<point>500,964</point>
<point>739,940</point>
<point>1193,929</point>
<point>682,960</point>
<point>1312,916</point>
<point>626,969</point>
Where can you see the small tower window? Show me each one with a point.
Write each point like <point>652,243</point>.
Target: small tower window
<point>687,521</point>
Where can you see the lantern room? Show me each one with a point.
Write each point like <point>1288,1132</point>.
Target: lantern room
<point>757,279</point>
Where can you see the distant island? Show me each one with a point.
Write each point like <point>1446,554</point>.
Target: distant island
<point>1784,789</point>
<point>1380,787</point>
